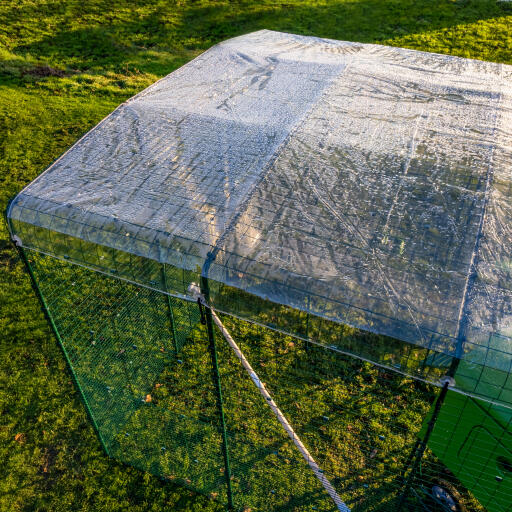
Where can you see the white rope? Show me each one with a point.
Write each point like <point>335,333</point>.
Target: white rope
<point>280,416</point>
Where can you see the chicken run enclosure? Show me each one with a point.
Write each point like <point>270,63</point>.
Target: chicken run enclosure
<point>281,276</point>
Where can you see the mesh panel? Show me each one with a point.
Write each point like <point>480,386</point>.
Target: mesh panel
<point>142,363</point>
<point>154,408</point>
<point>359,423</point>
<point>474,440</point>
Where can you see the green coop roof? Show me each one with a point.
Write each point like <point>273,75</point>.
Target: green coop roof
<point>364,184</point>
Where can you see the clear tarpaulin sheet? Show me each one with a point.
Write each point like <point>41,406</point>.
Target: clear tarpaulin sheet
<point>364,184</point>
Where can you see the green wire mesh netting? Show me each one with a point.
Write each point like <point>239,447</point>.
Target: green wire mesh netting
<point>141,361</point>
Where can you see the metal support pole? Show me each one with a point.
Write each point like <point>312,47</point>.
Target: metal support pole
<point>55,331</point>
<point>169,308</point>
<point>216,380</point>
<point>307,324</point>
<point>421,446</point>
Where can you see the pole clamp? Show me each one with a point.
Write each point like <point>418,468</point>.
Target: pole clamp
<point>194,290</point>
<point>17,241</point>
<point>447,380</point>
<point>201,310</point>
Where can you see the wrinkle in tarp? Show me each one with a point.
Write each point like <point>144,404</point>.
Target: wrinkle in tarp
<point>364,184</point>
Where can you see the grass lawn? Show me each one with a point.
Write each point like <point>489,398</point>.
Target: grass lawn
<point>64,65</point>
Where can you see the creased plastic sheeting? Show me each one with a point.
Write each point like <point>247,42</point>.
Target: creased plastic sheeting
<point>179,158</point>
<point>365,184</point>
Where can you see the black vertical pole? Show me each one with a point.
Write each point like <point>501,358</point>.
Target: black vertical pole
<point>169,310</point>
<point>421,446</point>
<point>205,290</point>
<point>56,333</point>
<point>307,323</point>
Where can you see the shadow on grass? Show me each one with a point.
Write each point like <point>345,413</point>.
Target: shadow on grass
<point>112,43</point>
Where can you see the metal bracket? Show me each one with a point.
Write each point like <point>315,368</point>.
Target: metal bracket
<point>446,379</point>
<point>194,290</point>
<point>17,241</point>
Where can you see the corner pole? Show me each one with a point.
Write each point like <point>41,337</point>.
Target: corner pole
<point>307,323</point>
<point>420,446</point>
<point>169,309</point>
<point>205,290</point>
<point>55,331</point>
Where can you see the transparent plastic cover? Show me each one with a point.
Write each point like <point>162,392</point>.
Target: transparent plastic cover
<point>364,184</point>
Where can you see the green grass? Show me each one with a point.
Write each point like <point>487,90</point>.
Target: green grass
<point>358,429</point>
<point>64,65</point>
